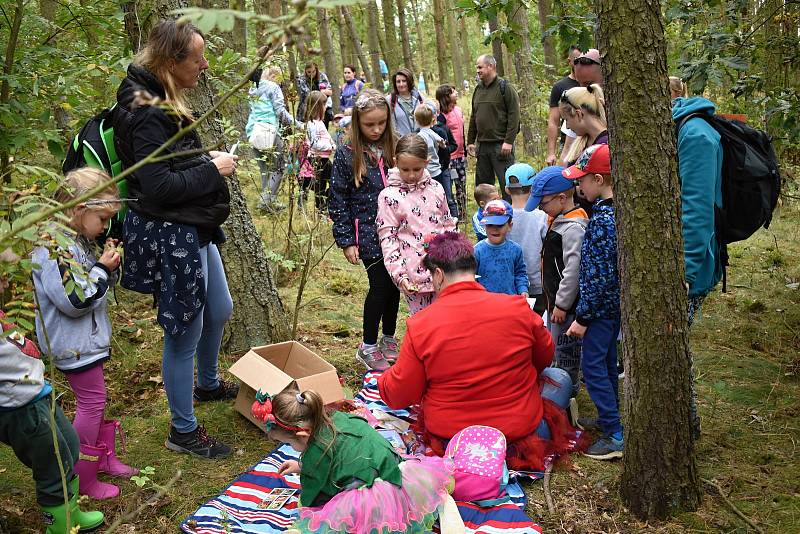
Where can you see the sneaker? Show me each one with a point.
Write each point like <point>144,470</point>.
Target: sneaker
<point>605,448</point>
<point>225,391</point>
<point>389,348</point>
<point>588,424</point>
<point>620,370</point>
<point>372,357</point>
<point>197,442</point>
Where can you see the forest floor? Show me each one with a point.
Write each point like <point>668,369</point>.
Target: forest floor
<point>747,353</point>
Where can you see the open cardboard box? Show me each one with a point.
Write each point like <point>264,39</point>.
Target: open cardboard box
<point>273,368</point>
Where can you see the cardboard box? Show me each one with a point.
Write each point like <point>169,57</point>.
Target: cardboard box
<point>273,368</point>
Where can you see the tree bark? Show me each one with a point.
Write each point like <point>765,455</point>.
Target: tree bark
<point>351,27</point>
<point>392,56</point>
<point>328,55</point>
<point>239,37</point>
<point>291,95</point>
<point>374,45</point>
<point>548,41</point>
<point>469,61</point>
<point>5,86</point>
<point>442,55</point>
<point>497,47</point>
<point>344,41</point>
<point>408,57</point>
<point>455,41</point>
<point>659,476</point>
<point>423,64</point>
<point>523,64</point>
<point>258,314</point>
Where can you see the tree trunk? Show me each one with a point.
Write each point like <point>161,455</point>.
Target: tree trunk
<point>291,95</point>
<point>455,41</point>
<point>497,47</point>
<point>239,37</point>
<point>442,56</point>
<point>258,314</point>
<point>392,56</point>
<point>408,57</point>
<point>523,64</point>
<point>344,41</point>
<point>548,42</point>
<point>659,474</point>
<point>328,56</point>
<point>469,61</point>
<point>374,45</point>
<point>5,86</point>
<point>423,64</point>
<point>351,27</point>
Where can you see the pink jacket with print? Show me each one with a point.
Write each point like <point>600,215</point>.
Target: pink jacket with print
<point>407,214</point>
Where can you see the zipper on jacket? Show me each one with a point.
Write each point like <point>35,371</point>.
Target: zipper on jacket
<point>356,231</point>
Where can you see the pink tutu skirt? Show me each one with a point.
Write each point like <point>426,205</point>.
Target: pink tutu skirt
<point>384,508</point>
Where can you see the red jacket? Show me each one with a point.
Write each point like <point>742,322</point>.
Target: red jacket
<point>472,358</point>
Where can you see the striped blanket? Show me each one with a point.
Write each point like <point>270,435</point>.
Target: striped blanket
<point>240,507</point>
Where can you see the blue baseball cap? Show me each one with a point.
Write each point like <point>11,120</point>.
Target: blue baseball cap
<point>519,175</point>
<point>548,181</point>
<point>497,212</point>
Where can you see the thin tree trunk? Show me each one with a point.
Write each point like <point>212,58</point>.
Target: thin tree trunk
<point>392,56</point>
<point>659,475</point>
<point>258,313</point>
<point>442,56</point>
<point>261,7</point>
<point>5,87</point>
<point>328,55</point>
<point>351,27</point>
<point>469,61</point>
<point>455,43</point>
<point>423,64</point>
<point>291,95</point>
<point>497,47</point>
<point>408,57</point>
<point>523,63</point>
<point>374,45</point>
<point>344,42</point>
<point>239,37</point>
<point>548,42</point>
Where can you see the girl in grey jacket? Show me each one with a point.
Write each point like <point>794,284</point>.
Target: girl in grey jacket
<point>72,324</point>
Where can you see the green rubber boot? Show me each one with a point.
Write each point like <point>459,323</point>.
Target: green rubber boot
<point>55,517</point>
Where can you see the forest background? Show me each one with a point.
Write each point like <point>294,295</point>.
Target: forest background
<point>63,60</point>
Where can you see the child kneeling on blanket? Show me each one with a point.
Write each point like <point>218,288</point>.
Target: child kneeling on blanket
<point>351,478</point>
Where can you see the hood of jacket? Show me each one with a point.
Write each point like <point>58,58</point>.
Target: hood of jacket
<point>576,216</point>
<point>138,79</point>
<point>681,107</point>
<point>394,179</point>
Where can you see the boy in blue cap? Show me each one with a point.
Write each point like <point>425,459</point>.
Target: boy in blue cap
<point>561,258</point>
<point>501,267</point>
<point>528,230</point>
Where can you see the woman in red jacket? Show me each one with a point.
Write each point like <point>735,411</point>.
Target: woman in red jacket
<point>480,358</point>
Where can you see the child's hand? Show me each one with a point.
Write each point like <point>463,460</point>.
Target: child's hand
<point>110,257</point>
<point>525,294</point>
<point>351,254</point>
<point>558,316</point>
<point>408,287</point>
<point>289,467</point>
<point>576,330</point>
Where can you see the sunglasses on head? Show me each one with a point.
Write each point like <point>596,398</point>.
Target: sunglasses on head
<point>586,61</point>
<point>565,99</point>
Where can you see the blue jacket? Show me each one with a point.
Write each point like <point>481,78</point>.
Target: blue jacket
<point>353,209</point>
<point>598,281</point>
<point>501,268</point>
<point>700,170</point>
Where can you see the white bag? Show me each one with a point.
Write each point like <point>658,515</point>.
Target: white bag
<point>263,136</point>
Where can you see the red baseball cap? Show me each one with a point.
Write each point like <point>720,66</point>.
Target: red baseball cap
<point>595,160</point>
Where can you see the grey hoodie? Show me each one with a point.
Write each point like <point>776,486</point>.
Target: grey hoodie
<point>561,259</point>
<point>78,329</point>
<point>21,376</point>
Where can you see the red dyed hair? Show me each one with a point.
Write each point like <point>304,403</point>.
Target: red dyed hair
<point>451,252</point>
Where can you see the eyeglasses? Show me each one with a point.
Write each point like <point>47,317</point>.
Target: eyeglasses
<point>585,61</point>
<point>543,203</point>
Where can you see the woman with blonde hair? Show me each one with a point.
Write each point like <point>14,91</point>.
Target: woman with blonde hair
<point>677,88</point>
<point>583,109</point>
<point>172,228</point>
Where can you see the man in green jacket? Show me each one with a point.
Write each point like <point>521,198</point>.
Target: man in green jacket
<point>493,124</point>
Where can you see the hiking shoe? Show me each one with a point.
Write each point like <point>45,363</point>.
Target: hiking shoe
<point>197,442</point>
<point>389,348</point>
<point>605,448</point>
<point>225,391</point>
<point>587,423</point>
<point>372,357</point>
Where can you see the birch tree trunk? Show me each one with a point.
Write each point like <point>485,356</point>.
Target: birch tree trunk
<point>408,57</point>
<point>328,56</point>
<point>548,41</point>
<point>523,64</point>
<point>442,55</point>
<point>374,45</point>
<point>392,56</point>
<point>455,43</point>
<point>659,475</point>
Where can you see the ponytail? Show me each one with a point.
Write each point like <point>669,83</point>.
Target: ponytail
<point>590,100</point>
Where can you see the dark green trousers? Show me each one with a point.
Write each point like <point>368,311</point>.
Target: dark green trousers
<point>27,431</point>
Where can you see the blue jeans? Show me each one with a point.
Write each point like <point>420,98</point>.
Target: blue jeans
<point>446,180</point>
<point>557,389</point>
<point>203,339</point>
<point>599,364</point>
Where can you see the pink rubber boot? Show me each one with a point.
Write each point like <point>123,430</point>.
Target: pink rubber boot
<point>86,468</point>
<point>109,463</point>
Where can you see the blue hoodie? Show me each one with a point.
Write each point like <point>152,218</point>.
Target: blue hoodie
<point>700,170</point>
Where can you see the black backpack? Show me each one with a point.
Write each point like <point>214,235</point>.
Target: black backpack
<point>94,147</point>
<point>751,181</point>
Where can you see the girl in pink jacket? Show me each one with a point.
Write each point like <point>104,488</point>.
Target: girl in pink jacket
<point>411,208</point>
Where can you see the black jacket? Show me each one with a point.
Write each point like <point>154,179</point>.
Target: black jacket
<point>184,189</point>
<point>444,132</point>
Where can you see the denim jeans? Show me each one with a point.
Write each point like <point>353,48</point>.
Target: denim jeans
<point>557,389</point>
<point>446,181</point>
<point>202,339</point>
<point>599,364</point>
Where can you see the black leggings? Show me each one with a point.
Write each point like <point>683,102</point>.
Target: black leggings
<point>319,183</point>
<point>382,302</point>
